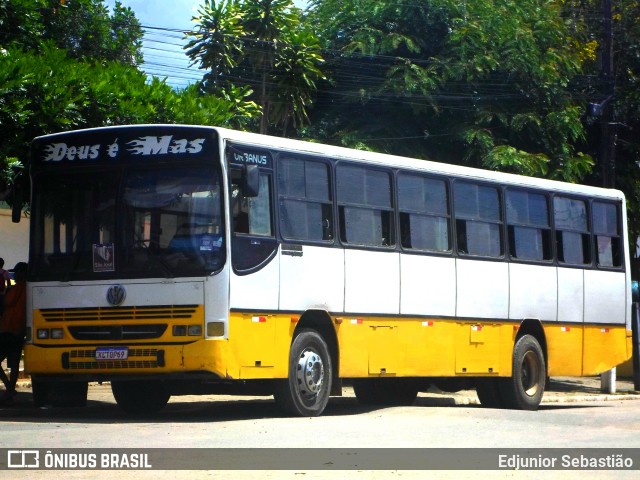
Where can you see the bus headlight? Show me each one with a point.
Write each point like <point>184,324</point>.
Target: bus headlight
<point>184,330</point>
<point>179,330</point>
<point>195,330</point>
<point>54,333</point>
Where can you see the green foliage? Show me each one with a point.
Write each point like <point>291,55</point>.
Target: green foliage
<point>83,28</point>
<point>69,65</point>
<point>262,47</point>
<point>484,83</point>
<point>50,92</point>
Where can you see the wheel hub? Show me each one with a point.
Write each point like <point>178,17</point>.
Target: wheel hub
<point>310,373</point>
<point>530,374</point>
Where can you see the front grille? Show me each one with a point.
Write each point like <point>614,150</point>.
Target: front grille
<point>138,358</point>
<point>154,312</point>
<point>117,332</point>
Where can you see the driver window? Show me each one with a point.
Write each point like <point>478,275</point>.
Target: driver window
<point>253,241</point>
<point>252,215</point>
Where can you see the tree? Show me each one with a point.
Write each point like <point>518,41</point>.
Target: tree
<point>83,28</point>
<point>259,46</point>
<point>45,88</point>
<point>483,83</point>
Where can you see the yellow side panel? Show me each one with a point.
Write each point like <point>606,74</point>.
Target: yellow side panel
<point>478,349</point>
<point>259,345</point>
<point>353,345</point>
<point>429,348</point>
<point>416,347</point>
<point>384,350</point>
<point>564,346</point>
<point>604,348</point>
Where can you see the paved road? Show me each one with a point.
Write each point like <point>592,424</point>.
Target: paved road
<point>574,415</point>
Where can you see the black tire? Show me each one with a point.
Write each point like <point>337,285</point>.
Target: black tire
<point>524,390</point>
<point>306,391</point>
<point>488,391</point>
<point>59,394</point>
<point>140,397</point>
<point>387,391</point>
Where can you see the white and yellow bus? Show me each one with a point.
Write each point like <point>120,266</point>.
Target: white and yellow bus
<point>174,260</point>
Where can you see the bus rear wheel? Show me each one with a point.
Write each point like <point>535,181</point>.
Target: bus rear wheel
<point>524,390</point>
<point>140,397</point>
<point>306,391</point>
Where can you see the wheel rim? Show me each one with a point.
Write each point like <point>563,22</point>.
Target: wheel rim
<point>310,373</point>
<point>530,376</point>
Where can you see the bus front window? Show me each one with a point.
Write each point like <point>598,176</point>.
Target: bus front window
<point>172,224</point>
<point>71,213</point>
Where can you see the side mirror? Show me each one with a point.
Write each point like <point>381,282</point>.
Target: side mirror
<point>251,181</point>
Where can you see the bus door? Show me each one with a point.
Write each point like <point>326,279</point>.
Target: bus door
<point>255,278</point>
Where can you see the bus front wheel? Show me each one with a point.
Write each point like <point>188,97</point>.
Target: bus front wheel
<point>140,397</point>
<point>306,391</point>
<point>524,390</point>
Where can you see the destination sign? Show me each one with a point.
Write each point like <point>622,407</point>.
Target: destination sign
<point>249,156</point>
<point>112,144</point>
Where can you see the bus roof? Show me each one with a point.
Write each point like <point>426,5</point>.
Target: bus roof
<point>379,159</point>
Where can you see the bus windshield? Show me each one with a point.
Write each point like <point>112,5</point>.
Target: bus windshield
<point>129,223</point>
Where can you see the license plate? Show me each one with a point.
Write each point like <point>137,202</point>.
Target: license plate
<point>113,353</point>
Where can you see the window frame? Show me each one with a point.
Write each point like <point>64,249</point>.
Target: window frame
<point>499,188</point>
<point>549,228</point>
<point>391,211</point>
<point>288,155</point>
<point>448,217</point>
<point>588,234</point>
<point>618,206</point>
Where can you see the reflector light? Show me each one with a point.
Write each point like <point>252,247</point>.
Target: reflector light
<point>356,321</point>
<point>565,329</point>
<point>427,324</point>
<point>259,319</point>
<point>215,329</point>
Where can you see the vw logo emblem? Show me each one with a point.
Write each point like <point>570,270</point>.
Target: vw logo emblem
<point>116,295</point>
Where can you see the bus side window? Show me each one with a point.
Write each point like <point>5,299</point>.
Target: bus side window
<point>528,225</point>
<point>572,231</point>
<point>306,207</point>
<point>478,219</point>
<point>365,206</point>
<point>606,229</point>
<point>424,213</point>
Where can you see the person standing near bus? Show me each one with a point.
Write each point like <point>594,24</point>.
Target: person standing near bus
<point>5,282</point>
<point>12,329</point>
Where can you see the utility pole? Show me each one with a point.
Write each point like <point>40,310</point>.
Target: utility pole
<point>608,127</point>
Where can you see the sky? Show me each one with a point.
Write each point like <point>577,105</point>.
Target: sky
<point>162,49</point>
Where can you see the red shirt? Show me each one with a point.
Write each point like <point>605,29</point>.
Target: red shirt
<point>14,318</point>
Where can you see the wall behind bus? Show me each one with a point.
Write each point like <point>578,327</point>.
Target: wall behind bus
<point>14,238</point>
